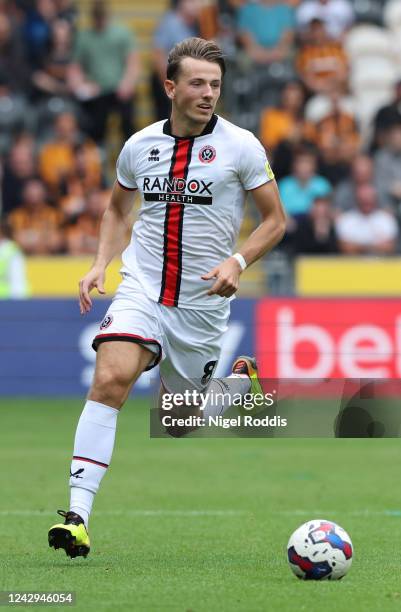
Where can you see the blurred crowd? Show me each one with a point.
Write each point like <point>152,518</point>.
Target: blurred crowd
<point>318,81</point>
<point>58,87</point>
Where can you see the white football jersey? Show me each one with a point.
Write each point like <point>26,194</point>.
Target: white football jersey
<point>192,198</point>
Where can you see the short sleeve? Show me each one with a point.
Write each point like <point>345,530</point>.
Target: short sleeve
<point>345,227</point>
<point>125,168</point>
<point>289,21</point>
<point>128,40</point>
<point>79,48</point>
<point>243,19</point>
<point>322,187</point>
<point>161,37</point>
<point>254,168</point>
<point>387,228</point>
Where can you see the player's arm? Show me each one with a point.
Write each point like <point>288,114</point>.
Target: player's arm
<point>272,227</point>
<point>268,233</point>
<point>112,237</point>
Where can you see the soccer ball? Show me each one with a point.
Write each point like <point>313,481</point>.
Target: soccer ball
<point>320,550</point>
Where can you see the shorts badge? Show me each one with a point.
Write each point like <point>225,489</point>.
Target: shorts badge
<point>107,321</point>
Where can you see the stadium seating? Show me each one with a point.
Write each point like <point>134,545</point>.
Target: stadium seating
<point>368,40</point>
<point>368,11</point>
<point>373,46</point>
<point>373,71</point>
<point>392,15</point>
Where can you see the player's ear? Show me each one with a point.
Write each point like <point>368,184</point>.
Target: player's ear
<point>169,87</point>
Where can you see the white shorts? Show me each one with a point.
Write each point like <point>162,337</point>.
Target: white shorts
<point>187,343</point>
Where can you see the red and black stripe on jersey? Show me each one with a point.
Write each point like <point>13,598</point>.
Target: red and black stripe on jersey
<point>173,223</point>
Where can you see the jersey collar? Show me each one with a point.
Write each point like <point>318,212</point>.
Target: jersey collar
<point>208,129</point>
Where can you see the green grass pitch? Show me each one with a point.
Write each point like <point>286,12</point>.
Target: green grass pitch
<point>196,524</point>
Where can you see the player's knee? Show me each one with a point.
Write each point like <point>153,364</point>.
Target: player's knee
<point>107,377</point>
<point>110,385</point>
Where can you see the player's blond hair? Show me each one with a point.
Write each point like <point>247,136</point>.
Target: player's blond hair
<point>197,48</point>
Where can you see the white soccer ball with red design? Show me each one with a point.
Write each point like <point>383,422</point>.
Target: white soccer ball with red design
<point>320,550</point>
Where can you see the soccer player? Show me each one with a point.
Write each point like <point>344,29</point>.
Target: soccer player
<point>179,271</point>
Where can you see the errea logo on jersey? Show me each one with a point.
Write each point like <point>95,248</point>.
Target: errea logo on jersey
<point>154,155</point>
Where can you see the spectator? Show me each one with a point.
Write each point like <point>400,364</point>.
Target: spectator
<point>82,235</point>
<point>361,174</point>
<point>367,229</point>
<point>388,169</point>
<point>13,283</point>
<point>286,150</point>
<point>37,31</point>
<point>35,225</point>
<point>278,123</point>
<point>320,105</point>
<point>315,232</point>
<point>337,138</point>
<point>14,115</point>
<point>299,190</point>
<point>387,117</point>
<point>175,25</point>
<point>209,19</point>
<point>68,155</point>
<point>105,73</point>
<point>266,30</point>
<point>19,168</point>
<point>86,176</point>
<point>66,10</point>
<point>320,60</point>
<point>73,202</point>
<point>13,66</point>
<point>51,78</point>
<point>337,15</point>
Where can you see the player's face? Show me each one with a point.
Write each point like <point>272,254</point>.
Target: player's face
<point>195,92</point>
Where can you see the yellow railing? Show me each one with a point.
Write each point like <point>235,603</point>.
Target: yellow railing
<point>58,276</point>
<point>336,276</point>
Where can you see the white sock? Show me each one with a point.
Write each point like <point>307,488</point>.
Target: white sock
<point>93,448</point>
<point>222,391</point>
<point>81,502</point>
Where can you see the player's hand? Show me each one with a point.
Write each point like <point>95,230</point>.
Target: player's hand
<point>227,278</point>
<point>94,278</point>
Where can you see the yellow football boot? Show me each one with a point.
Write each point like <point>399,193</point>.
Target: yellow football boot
<point>247,365</point>
<point>71,535</point>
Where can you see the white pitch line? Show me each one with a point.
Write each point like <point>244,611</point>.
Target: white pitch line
<point>183,513</point>
<point>221,513</point>
<point>345,512</point>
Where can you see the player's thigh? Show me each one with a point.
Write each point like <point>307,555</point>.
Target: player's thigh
<point>129,341</point>
<point>118,365</point>
<point>192,348</point>
<point>121,362</point>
